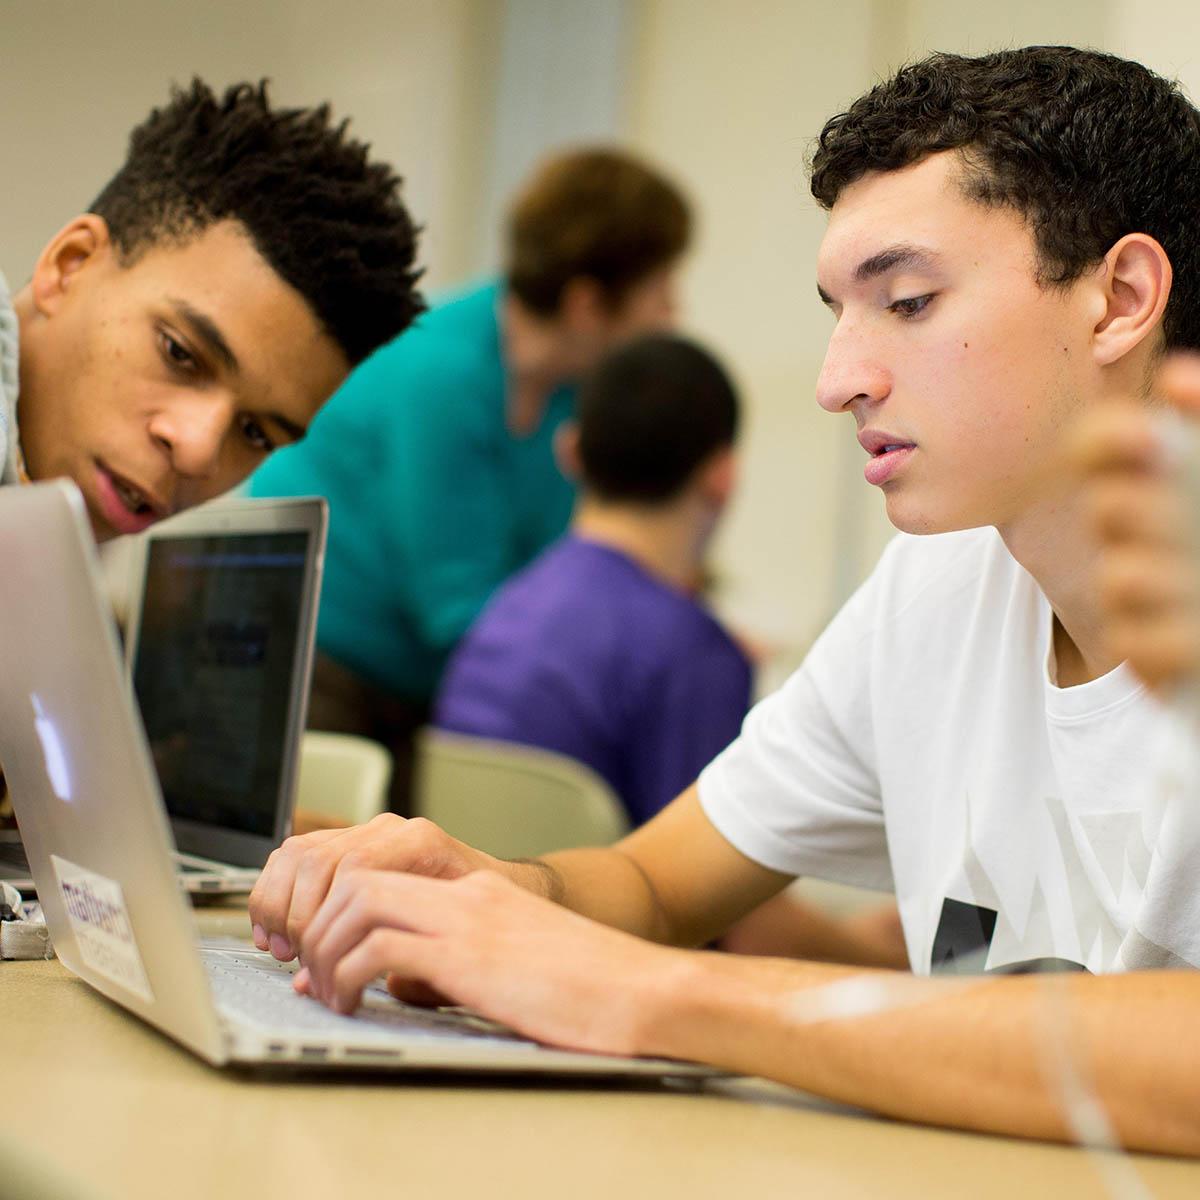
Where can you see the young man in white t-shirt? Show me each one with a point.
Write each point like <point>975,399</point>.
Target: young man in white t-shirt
<point>1007,248</point>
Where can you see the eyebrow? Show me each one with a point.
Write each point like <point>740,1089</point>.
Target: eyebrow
<point>291,428</point>
<point>209,332</point>
<point>889,259</point>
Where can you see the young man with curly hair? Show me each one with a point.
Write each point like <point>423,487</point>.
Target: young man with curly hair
<point>203,308</point>
<point>1011,242</point>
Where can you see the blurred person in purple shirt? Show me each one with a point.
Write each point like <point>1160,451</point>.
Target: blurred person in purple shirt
<point>600,649</point>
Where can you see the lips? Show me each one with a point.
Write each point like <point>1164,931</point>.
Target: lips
<point>888,452</point>
<point>877,441</point>
<point>126,507</point>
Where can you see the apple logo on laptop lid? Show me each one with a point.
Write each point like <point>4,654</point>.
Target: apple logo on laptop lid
<point>52,750</point>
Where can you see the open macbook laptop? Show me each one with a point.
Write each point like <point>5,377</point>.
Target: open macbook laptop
<point>219,646</point>
<point>99,845</point>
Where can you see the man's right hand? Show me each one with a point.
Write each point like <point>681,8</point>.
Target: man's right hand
<point>298,875</point>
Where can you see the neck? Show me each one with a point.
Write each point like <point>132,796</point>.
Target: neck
<point>1053,544</point>
<point>667,542</point>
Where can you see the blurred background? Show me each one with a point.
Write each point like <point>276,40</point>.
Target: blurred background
<point>464,95</point>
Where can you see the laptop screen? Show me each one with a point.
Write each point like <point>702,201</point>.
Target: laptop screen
<point>216,650</point>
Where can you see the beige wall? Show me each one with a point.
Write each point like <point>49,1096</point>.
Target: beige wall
<point>75,77</point>
<point>1164,34</point>
<point>726,95</point>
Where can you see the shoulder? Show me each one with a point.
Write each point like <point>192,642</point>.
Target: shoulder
<point>562,584</point>
<point>453,347</point>
<point>920,574</point>
<point>932,603</point>
<point>667,634</point>
<point>461,331</point>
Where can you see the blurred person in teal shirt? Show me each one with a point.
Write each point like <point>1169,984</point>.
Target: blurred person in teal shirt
<point>437,455</point>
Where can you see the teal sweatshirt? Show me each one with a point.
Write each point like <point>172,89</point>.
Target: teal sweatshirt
<point>433,503</point>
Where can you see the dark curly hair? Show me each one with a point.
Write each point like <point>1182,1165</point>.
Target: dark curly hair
<point>1086,146</point>
<point>651,413</point>
<point>328,220</point>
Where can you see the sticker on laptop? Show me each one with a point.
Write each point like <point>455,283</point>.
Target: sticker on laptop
<point>103,932</point>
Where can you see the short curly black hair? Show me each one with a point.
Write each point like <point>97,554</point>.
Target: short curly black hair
<point>651,413</point>
<point>1088,147</point>
<point>326,218</point>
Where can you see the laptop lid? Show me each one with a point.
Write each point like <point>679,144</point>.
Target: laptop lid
<point>88,802</point>
<point>219,647</point>
<point>81,779</point>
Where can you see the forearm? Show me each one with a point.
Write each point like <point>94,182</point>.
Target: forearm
<point>602,883</point>
<point>993,1054</point>
<point>788,927</point>
<point>645,886</point>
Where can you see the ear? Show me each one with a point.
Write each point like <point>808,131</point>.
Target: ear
<point>83,240</point>
<point>718,476</point>
<point>1137,283</point>
<point>582,308</point>
<point>566,450</point>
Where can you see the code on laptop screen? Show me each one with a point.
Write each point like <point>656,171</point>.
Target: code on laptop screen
<point>213,674</point>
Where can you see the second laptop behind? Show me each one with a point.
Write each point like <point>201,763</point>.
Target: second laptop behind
<point>219,646</point>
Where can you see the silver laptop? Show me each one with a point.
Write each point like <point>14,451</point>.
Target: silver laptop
<point>99,844</point>
<point>219,646</point>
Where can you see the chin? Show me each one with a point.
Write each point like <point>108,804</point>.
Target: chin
<point>919,519</point>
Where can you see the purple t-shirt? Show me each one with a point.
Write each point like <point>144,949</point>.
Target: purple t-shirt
<point>586,654</point>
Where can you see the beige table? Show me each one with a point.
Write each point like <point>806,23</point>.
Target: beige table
<point>135,1117</point>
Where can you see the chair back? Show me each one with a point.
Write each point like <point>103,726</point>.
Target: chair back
<point>513,801</point>
<point>343,775</point>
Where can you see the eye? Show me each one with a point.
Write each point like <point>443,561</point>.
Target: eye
<point>176,355</point>
<point>910,306</point>
<point>255,435</point>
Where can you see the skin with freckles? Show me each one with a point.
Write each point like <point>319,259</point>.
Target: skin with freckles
<point>174,374</point>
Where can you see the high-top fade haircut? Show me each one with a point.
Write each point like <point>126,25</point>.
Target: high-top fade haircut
<point>328,220</point>
<point>649,415</point>
<point>1087,147</point>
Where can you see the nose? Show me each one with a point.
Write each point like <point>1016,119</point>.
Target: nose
<point>850,374</point>
<point>192,431</point>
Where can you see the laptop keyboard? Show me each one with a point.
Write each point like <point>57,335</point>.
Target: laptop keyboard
<point>254,989</point>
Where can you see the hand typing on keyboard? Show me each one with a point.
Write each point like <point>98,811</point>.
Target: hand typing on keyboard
<point>485,942</point>
<point>299,874</point>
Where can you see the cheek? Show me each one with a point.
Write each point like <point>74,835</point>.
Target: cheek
<point>970,386</point>
<point>646,314</point>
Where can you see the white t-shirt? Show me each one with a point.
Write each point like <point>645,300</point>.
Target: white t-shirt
<point>922,747</point>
